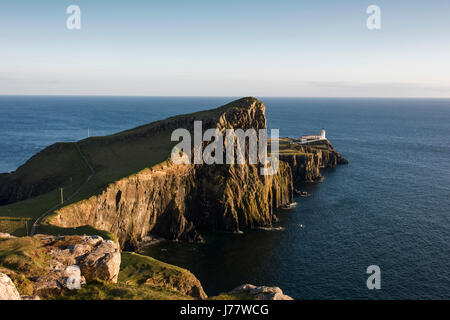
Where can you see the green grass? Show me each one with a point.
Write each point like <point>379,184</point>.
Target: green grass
<point>100,290</point>
<point>288,148</point>
<point>63,165</point>
<point>21,258</point>
<point>56,165</point>
<point>133,283</point>
<point>16,226</point>
<point>137,269</point>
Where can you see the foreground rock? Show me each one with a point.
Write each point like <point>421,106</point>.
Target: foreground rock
<point>75,260</point>
<point>101,263</point>
<point>50,267</point>
<point>8,290</point>
<point>4,236</point>
<point>262,292</point>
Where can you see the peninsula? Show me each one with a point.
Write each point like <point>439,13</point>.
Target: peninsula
<point>125,188</point>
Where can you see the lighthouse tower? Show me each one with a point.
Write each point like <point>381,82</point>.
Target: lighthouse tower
<point>322,135</point>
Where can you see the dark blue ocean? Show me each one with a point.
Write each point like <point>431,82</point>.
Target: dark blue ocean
<point>389,207</point>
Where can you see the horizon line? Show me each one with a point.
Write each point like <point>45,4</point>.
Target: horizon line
<point>219,96</point>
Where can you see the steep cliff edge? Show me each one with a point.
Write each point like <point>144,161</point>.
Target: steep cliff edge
<point>137,191</point>
<point>307,160</point>
<point>174,201</point>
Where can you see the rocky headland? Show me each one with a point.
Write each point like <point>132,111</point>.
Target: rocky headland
<point>126,185</point>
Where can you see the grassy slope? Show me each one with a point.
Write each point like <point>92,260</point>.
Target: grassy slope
<point>100,290</point>
<point>135,271</point>
<point>22,258</point>
<point>113,157</point>
<point>63,165</point>
<point>286,148</point>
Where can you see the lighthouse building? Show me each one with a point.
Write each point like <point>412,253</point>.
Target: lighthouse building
<point>311,138</point>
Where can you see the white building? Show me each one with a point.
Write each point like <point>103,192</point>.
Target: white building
<point>311,138</point>
<point>323,134</point>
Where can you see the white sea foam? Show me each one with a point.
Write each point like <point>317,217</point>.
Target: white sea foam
<point>271,228</point>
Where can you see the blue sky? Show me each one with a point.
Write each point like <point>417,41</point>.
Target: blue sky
<point>226,48</point>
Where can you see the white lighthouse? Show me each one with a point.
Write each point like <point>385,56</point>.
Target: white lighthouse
<point>323,134</point>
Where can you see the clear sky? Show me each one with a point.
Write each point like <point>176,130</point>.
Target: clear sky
<point>226,48</point>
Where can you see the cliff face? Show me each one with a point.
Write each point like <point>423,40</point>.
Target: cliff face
<point>307,162</point>
<point>174,201</point>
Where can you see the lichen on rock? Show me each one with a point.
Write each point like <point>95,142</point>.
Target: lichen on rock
<point>8,290</point>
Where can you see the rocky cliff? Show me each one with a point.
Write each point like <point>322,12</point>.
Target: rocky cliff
<point>136,191</point>
<point>306,161</point>
<point>175,201</point>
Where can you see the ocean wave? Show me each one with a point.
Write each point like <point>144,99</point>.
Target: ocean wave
<point>271,228</point>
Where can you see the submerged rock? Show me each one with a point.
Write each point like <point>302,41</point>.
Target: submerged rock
<point>8,290</point>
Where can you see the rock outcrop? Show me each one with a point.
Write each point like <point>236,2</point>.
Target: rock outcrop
<point>75,260</point>
<point>175,201</point>
<point>262,292</point>
<point>81,267</point>
<point>4,236</point>
<point>307,163</point>
<point>135,199</point>
<point>8,290</point>
<point>103,262</point>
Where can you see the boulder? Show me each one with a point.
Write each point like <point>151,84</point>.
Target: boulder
<point>57,281</point>
<point>262,292</point>
<point>5,236</point>
<point>49,284</point>
<point>73,278</point>
<point>102,263</point>
<point>8,290</point>
<point>95,258</point>
<point>75,259</point>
